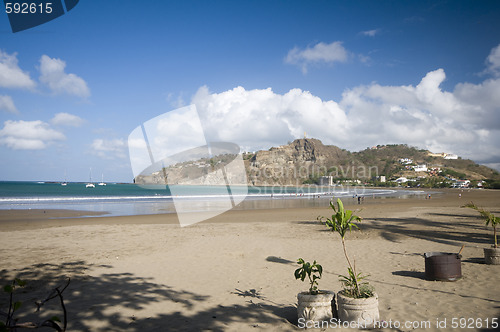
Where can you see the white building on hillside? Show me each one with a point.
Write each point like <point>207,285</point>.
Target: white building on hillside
<point>401,180</point>
<point>450,156</point>
<point>420,168</point>
<point>326,181</point>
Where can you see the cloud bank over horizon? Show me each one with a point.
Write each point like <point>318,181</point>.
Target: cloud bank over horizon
<point>465,121</point>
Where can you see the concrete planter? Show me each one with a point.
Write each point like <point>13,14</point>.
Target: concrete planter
<point>492,256</point>
<point>364,311</point>
<point>319,307</point>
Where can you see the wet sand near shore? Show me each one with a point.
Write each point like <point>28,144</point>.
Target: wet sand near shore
<point>234,272</point>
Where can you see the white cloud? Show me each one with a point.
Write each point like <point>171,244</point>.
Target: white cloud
<point>109,148</point>
<point>66,119</point>
<point>370,33</point>
<point>319,53</point>
<point>465,121</point>
<point>257,119</point>
<point>493,61</point>
<point>11,76</point>
<point>176,102</point>
<point>52,74</point>
<point>7,104</point>
<point>484,101</point>
<point>28,135</point>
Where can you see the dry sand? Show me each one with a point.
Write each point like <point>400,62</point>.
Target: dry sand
<point>235,272</point>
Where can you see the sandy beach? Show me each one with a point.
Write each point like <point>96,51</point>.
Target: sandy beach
<point>235,272</point>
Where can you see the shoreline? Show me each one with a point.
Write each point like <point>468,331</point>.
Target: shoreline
<point>123,203</point>
<point>19,219</point>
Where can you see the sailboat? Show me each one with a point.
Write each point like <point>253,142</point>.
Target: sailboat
<point>102,183</point>
<point>90,184</point>
<point>65,183</point>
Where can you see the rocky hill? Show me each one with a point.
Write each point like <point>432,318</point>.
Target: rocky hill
<point>307,160</point>
<point>292,164</point>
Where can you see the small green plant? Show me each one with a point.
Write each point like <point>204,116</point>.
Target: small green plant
<point>489,218</point>
<point>13,306</point>
<point>342,221</point>
<point>309,270</point>
<point>355,287</point>
<point>11,323</point>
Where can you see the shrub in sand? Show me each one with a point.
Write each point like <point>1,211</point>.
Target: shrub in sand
<point>12,324</point>
<point>491,255</point>
<point>357,301</point>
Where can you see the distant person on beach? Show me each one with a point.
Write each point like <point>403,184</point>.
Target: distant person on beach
<point>359,199</point>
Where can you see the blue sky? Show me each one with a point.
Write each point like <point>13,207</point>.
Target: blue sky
<point>351,73</point>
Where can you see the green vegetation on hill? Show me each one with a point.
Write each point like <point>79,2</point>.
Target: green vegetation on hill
<point>366,166</point>
<point>386,158</point>
<point>307,161</point>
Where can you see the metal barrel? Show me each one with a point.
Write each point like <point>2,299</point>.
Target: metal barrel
<point>443,266</point>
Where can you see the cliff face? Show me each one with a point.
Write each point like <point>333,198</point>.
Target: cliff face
<point>294,163</point>
<point>291,164</point>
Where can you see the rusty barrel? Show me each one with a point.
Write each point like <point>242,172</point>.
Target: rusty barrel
<point>443,266</point>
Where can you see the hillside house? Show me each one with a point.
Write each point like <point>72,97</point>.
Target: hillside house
<point>461,184</point>
<point>450,156</point>
<point>401,180</point>
<point>420,168</point>
<point>326,181</point>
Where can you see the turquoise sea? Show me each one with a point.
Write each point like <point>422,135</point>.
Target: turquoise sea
<point>131,199</point>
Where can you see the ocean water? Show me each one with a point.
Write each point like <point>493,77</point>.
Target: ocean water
<point>130,199</point>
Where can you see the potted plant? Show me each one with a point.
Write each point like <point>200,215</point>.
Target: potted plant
<point>314,304</point>
<point>358,300</point>
<point>491,255</point>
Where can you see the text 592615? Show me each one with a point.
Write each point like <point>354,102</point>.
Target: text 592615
<point>28,8</point>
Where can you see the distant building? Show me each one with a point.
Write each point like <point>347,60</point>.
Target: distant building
<point>434,170</point>
<point>461,184</point>
<point>382,178</point>
<point>347,182</point>
<point>401,180</point>
<point>443,155</point>
<point>405,161</point>
<point>420,168</point>
<point>450,156</point>
<point>326,181</point>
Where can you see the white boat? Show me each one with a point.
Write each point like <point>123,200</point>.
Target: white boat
<point>65,183</point>
<point>102,183</point>
<point>90,184</point>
